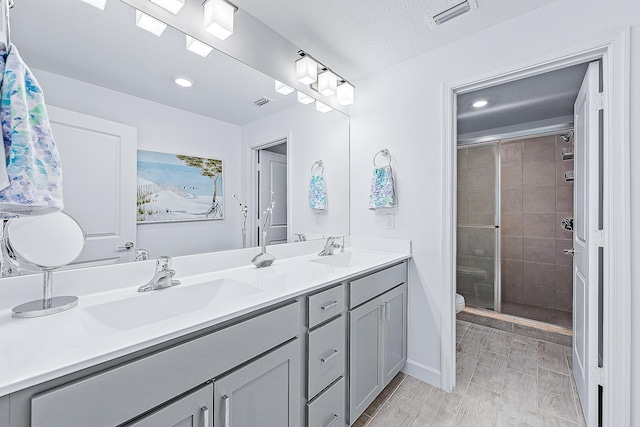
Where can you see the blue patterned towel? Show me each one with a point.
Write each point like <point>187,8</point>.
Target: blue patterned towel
<point>32,183</point>
<point>383,193</point>
<point>317,193</point>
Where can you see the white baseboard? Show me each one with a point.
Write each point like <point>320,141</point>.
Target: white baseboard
<point>422,372</point>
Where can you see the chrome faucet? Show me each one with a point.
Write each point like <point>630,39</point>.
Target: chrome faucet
<point>163,277</point>
<point>329,247</point>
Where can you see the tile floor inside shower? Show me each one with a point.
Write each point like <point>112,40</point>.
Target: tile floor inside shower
<point>503,379</point>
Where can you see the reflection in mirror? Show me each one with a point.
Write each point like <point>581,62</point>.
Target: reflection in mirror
<point>43,243</point>
<point>110,92</point>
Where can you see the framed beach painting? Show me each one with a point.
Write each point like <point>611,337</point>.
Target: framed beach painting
<point>174,187</point>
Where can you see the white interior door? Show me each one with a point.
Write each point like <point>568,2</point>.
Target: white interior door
<point>98,182</point>
<point>273,177</point>
<point>586,211</point>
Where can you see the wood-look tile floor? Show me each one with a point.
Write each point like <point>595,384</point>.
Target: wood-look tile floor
<point>503,379</point>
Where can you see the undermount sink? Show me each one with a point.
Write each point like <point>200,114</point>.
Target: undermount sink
<point>347,259</point>
<point>151,307</point>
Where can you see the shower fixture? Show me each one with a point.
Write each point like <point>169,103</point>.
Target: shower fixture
<point>566,138</point>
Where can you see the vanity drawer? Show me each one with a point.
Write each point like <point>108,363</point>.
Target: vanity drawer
<point>326,355</point>
<point>325,305</point>
<point>368,287</point>
<point>328,409</point>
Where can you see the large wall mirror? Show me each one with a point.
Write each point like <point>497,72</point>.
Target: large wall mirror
<point>110,90</point>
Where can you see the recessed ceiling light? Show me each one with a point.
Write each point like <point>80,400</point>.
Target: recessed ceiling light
<point>283,88</point>
<point>150,24</point>
<point>197,47</point>
<point>183,81</point>
<point>100,4</point>
<point>304,98</point>
<point>480,103</point>
<point>172,6</point>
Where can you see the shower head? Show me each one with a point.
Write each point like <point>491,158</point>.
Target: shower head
<point>566,138</point>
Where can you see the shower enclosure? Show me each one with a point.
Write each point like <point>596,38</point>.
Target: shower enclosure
<point>515,213</point>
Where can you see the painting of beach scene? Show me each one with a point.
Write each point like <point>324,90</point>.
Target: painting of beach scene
<point>174,187</point>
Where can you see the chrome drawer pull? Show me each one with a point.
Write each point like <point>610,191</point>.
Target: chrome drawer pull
<point>387,312</point>
<point>333,421</point>
<point>205,416</point>
<point>331,356</point>
<point>328,306</point>
<point>226,404</point>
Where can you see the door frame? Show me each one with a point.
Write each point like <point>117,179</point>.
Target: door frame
<point>252,186</point>
<point>613,49</point>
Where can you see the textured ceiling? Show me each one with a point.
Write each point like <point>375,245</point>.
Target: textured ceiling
<point>359,37</point>
<point>105,48</point>
<point>542,97</point>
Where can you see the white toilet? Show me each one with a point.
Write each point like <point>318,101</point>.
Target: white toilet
<point>459,303</point>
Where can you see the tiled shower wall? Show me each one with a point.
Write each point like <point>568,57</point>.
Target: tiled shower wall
<point>535,197</point>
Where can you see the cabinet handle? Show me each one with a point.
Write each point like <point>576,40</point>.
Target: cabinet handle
<point>205,416</point>
<point>333,421</point>
<point>331,356</point>
<point>328,306</point>
<point>381,313</point>
<point>225,405</point>
<point>387,312</point>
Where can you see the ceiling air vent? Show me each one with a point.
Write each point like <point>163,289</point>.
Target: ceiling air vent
<point>262,101</point>
<point>450,11</point>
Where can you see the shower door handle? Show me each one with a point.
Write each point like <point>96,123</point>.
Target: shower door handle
<point>571,252</point>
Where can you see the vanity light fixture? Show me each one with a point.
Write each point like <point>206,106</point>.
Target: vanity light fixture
<point>283,88</point>
<point>480,103</point>
<point>306,69</point>
<point>346,94</point>
<point>304,98</point>
<point>183,81</point>
<point>197,47</point>
<point>218,18</point>
<point>323,108</point>
<point>327,83</point>
<point>150,24</point>
<point>172,6</point>
<point>100,4</point>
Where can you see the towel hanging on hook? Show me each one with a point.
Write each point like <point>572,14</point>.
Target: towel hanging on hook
<point>383,193</point>
<point>317,187</point>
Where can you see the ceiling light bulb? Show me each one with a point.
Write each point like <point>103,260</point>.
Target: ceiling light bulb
<point>100,4</point>
<point>480,103</point>
<point>172,6</point>
<point>323,108</point>
<point>346,94</point>
<point>306,70</point>
<point>327,83</point>
<point>283,88</point>
<point>196,46</point>
<point>304,98</point>
<point>218,18</point>
<point>150,24</point>
<point>183,81</point>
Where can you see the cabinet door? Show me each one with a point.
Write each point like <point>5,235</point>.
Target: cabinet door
<point>266,392</point>
<point>395,332</point>
<point>193,410</point>
<point>365,347</point>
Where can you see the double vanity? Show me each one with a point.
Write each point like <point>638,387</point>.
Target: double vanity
<point>308,341</point>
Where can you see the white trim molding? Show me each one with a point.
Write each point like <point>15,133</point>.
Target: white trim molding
<point>613,49</point>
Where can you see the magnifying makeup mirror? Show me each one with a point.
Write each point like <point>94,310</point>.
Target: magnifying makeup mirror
<point>43,243</point>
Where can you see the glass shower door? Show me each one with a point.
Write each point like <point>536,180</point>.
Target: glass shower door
<point>477,232</point>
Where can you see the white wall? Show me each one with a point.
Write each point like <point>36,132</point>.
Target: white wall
<point>312,136</point>
<point>166,129</point>
<point>407,117</point>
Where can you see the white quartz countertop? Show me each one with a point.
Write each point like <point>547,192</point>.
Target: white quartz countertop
<point>114,323</point>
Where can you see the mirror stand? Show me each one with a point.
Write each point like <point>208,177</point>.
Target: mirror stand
<point>48,304</point>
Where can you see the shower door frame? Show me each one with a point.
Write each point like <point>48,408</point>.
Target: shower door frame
<point>613,48</point>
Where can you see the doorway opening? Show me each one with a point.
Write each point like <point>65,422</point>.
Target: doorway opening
<point>271,188</point>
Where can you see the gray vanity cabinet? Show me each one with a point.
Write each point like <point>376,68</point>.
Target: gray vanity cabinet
<point>263,393</point>
<point>377,335</point>
<point>192,410</point>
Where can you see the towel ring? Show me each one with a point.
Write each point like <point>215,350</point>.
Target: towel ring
<point>385,153</point>
<point>320,165</point>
